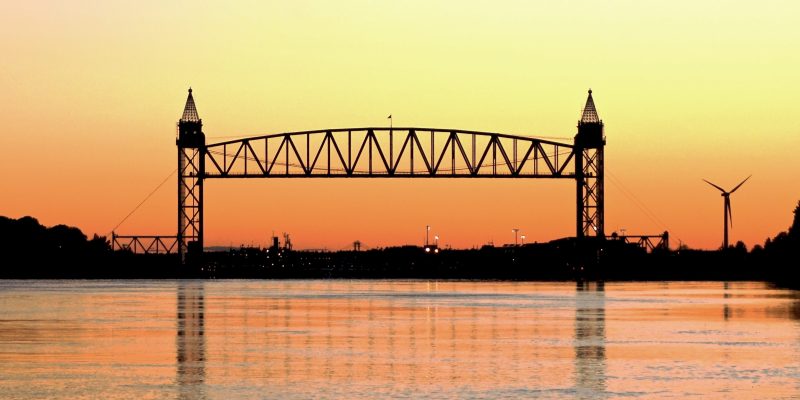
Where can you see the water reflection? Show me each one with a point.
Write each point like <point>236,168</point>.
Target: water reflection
<point>190,343</point>
<point>485,339</point>
<point>726,308</point>
<point>410,339</point>
<point>590,340</point>
<point>795,311</point>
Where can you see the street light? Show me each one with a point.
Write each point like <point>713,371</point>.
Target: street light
<point>427,231</point>
<point>515,230</point>
<point>436,238</point>
<point>523,239</point>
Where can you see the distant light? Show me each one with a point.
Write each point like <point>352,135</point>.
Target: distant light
<point>427,249</point>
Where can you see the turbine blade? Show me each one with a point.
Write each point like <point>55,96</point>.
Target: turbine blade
<point>737,186</point>
<point>720,189</point>
<point>730,213</point>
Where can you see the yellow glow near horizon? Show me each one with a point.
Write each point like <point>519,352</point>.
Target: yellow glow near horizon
<point>90,94</point>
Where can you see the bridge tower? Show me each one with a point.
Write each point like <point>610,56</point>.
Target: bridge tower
<point>191,143</point>
<point>589,144</point>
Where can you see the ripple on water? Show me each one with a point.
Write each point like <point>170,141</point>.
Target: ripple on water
<point>399,339</point>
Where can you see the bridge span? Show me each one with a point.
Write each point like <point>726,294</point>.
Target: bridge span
<point>381,152</point>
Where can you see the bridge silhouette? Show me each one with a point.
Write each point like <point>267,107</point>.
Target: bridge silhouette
<point>379,152</point>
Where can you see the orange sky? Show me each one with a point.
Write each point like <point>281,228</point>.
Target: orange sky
<point>90,94</point>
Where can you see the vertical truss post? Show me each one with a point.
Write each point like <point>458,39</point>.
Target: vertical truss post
<point>589,174</point>
<point>580,182</point>
<point>191,144</point>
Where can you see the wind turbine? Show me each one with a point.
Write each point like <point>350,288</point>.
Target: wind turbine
<point>727,210</point>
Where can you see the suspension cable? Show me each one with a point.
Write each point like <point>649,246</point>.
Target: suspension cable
<point>145,199</point>
<point>638,203</point>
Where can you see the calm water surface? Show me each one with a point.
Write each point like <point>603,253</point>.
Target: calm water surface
<point>410,339</point>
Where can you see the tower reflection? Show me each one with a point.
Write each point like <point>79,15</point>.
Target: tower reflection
<point>590,340</point>
<point>794,313</point>
<point>726,308</point>
<point>190,344</point>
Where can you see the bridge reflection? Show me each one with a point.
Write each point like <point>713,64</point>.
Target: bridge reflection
<point>190,343</point>
<point>471,339</point>
<point>488,339</point>
<point>590,340</point>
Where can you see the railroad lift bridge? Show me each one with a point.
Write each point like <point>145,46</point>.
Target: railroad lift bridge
<point>378,152</point>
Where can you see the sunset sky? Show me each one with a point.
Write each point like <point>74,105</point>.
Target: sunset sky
<point>90,93</point>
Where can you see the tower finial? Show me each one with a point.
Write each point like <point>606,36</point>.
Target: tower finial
<point>589,111</point>
<point>190,111</point>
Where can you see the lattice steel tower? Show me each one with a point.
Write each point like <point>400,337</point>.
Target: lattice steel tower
<point>191,170</point>
<point>589,144</point>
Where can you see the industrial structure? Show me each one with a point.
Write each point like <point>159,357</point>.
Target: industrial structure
<point>380,152</point>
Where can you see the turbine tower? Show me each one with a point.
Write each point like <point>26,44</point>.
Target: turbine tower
<point>727,208</point>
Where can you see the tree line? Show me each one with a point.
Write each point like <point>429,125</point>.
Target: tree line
<point>30,250</point>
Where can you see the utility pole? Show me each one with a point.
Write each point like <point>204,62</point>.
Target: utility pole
<point>427,232</point>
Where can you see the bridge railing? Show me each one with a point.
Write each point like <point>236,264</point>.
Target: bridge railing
<point>144,244</point>
<point>390,152</point>
<point>648,243</point>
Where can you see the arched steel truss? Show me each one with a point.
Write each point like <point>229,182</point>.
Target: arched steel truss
<point>389,152</point>
<point>379,152</point>
<point>386,153</point>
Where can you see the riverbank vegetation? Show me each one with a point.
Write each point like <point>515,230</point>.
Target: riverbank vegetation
<point>31,250</point>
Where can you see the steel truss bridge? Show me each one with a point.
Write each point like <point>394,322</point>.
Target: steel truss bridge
<point>380,152</point>
<point>146,244</point>
<point>648,243</point>
<point>389,153</point>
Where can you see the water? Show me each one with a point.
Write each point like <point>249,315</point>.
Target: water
<point>403,339</point>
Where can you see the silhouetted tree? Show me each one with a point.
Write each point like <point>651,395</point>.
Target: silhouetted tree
<point>28,249</point>
<point>99,244</point>
<point>781,254</point>
<point>794,230</point>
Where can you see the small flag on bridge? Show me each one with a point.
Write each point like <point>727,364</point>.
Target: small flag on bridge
<point>389,117</point>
